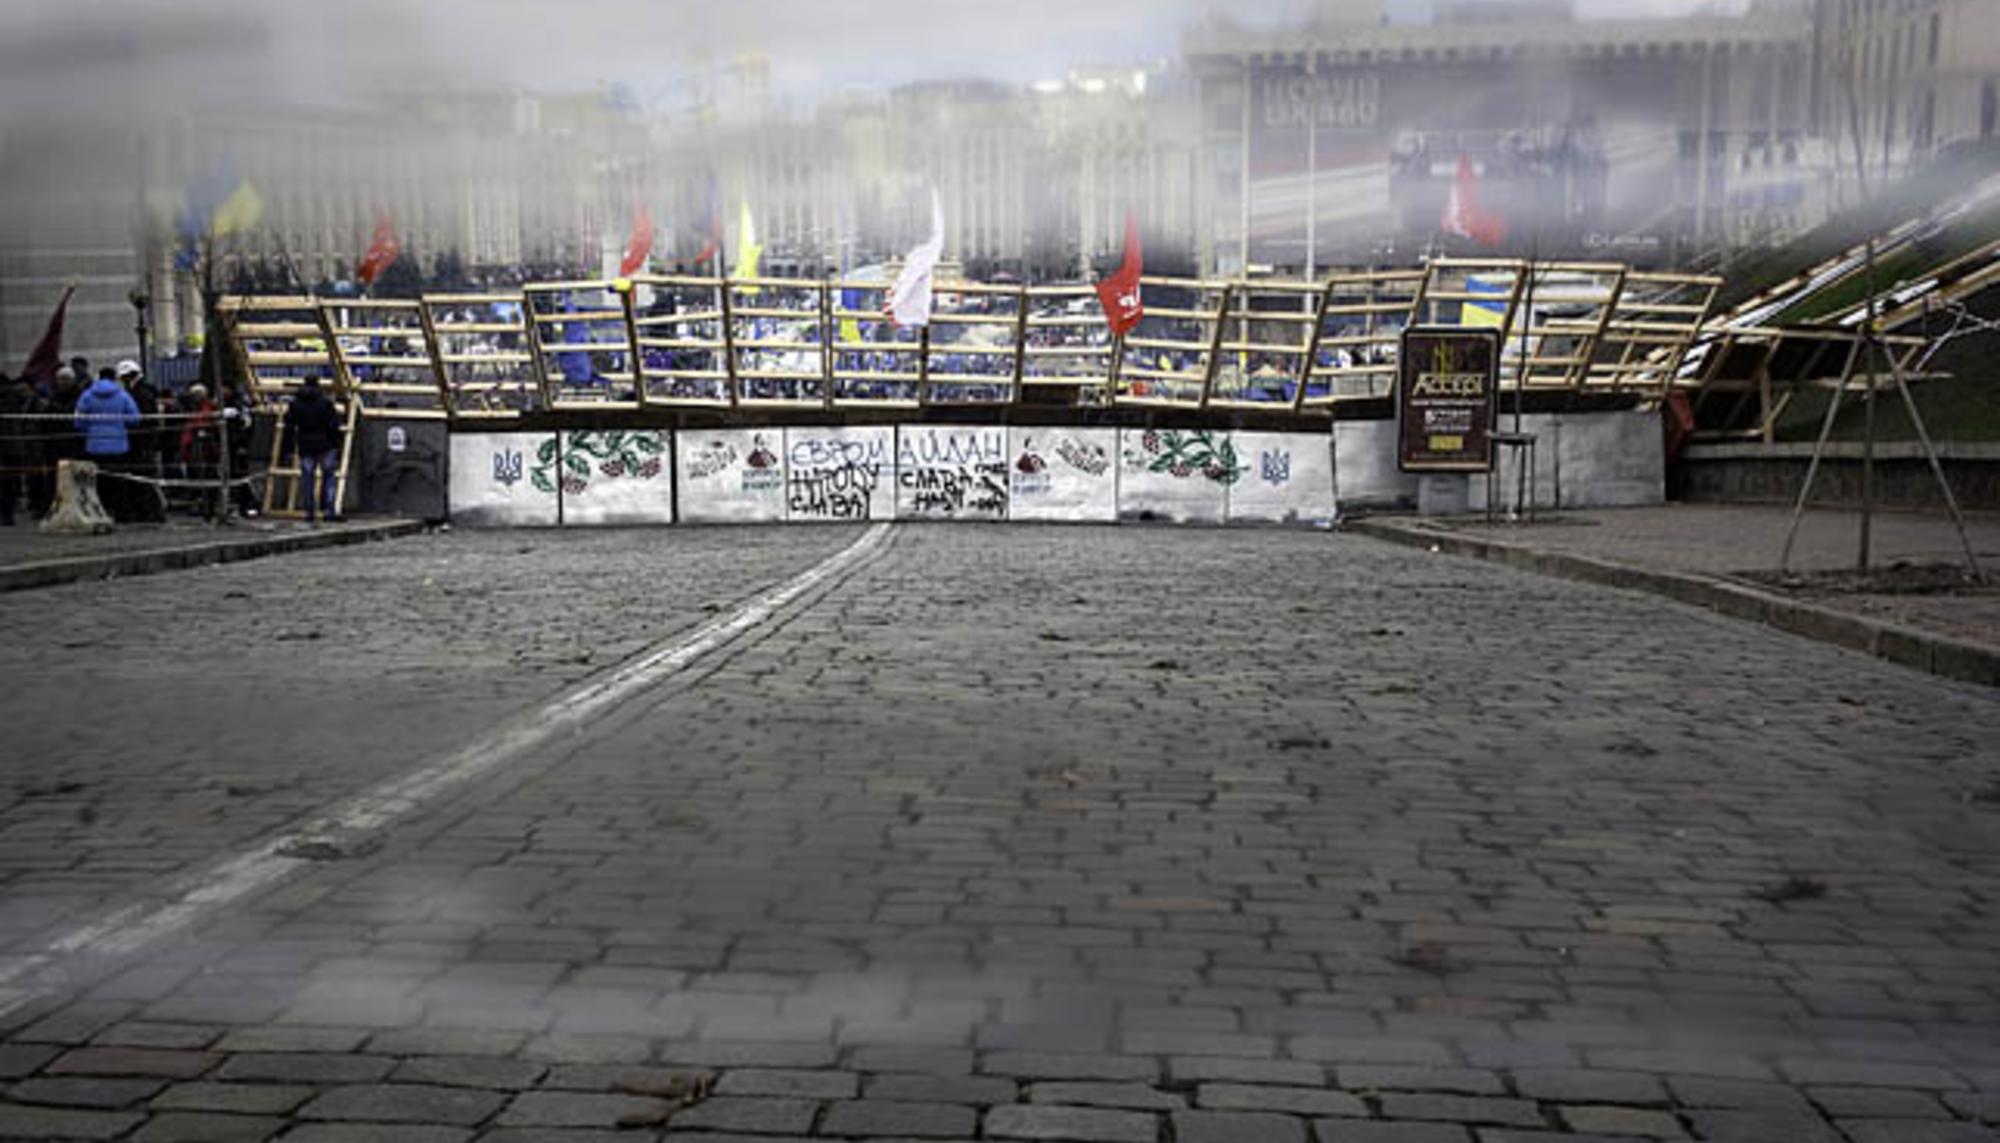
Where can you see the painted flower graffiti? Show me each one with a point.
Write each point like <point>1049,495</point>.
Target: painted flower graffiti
<point>1184,454</point>
<point>590,455</point>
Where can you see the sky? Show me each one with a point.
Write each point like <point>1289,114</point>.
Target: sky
<point>138,56</point>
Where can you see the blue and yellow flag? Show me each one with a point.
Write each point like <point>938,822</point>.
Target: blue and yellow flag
<point>1484,314</point>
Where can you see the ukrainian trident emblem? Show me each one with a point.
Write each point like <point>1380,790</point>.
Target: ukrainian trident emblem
<point>507,467</point>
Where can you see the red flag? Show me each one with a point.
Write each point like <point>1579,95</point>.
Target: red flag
<point>383,250</point>
<point>1464,216</point>
<point>47,355</point>
<point>1119,291</point>
<point>639,244</point>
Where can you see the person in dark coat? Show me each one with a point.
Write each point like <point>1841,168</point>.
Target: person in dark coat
<point>238,430</point>
<point>16,437</point>
<point>313,424</point>
<point>145,500</point>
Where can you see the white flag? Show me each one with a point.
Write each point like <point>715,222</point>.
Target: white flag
<point>910,299</point>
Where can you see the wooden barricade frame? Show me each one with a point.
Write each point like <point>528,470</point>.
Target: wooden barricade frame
<point>1270,336</point>
<point>483,351</point>
<point>1169,360</point>
<point>782,367</point>
<point>1645,342</point>
<point>1065,341</point>
<point>554,314</point>
<point>979,325</point>
<point>1360,336</point>
<point>871,362</point>
<point>280,341</point>
<point>383,352</point>
<point>685,329</point>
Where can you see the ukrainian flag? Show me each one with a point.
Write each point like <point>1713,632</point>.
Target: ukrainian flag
<point>1484,314</point>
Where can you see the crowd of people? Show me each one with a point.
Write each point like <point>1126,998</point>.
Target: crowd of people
<point>146,442</point>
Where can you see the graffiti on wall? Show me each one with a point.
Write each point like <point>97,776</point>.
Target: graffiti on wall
<point>839,474</point>
<point>1063,474</point>
<point>946,472</point>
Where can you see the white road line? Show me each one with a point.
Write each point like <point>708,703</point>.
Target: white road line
<point>134,927</point>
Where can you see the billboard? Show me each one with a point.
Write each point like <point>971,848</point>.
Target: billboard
<point>1446,381</point>
<point>1578,155</point>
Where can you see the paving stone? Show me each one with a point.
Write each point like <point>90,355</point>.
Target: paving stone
<point>1588,1085</point>
<point>1983,1106</point>
<point>1237,1127</point>
<point>1081,1124</point>
<point>1069,1065</point>
<point>84,1091</point>
<point>146,1034</point>
<point>208,1127</point>
<point>164,1062</point>
<point>573,1109</point>
<point>19,1122</point>
<point>1622,1121</point>
<point>404,1103</point>
<point>446,1042</point>
<point>1136,1096</point>
<point>1364,1131</point>
<point>376,1133</point>
<point>1741,1095</point>
<point>304,1067</point>
<point>804,1084</point>
<point>881,1117</point>
<point>1878,1103</point>
<point>1296,1100</point>
<point>740,1113</point>
<point>930,1061</point>
<point>1461,1109</point>
<point>469,1071</point>
<point>1720,1126</point>
<point>1916,1131</point>
<point>289,1038</point>
<point>718,1054</point>
<point>1869,1073</point>
<point>1383,1077</point>
<point>17,1060</point>
<point>942,1089</point>
<point>1291,1072</point>
<point>234,1098</point>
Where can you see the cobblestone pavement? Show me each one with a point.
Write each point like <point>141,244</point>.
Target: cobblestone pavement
<point>1022,834</point>
<point>1729,539</point>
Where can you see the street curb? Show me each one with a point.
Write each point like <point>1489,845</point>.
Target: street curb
<point>1908,646</point>
<point>48,573</point>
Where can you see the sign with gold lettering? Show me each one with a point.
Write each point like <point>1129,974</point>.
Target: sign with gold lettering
<point>1445,386</point>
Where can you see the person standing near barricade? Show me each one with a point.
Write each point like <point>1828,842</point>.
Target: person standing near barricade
<point>16,398</point>
<point>236,436</point>
<point>148,444</point>
<point>314,427</point>
<point>105,412</point>
<point>200,450</point>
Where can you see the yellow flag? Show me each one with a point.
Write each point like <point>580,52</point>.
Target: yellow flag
<point>240,211</point>
<point>747,248</point>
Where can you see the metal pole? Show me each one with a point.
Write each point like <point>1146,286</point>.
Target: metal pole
<point>1861,559</point>
<point>1312,160</point>
<point>1819,450</point>
<point>222,469</point>
<point>1937,466</point>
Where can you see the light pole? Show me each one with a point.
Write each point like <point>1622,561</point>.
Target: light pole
<point>141,304</point>
<point>1312,156</point>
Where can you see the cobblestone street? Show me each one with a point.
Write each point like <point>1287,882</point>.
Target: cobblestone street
<point>1022,833</point>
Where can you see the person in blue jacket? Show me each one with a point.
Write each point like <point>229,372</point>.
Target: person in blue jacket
<point>104,412</point>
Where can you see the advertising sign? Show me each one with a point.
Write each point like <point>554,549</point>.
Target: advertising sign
<point>1446,383</point>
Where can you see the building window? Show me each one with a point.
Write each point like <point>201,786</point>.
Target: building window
<point>1937,35</point>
